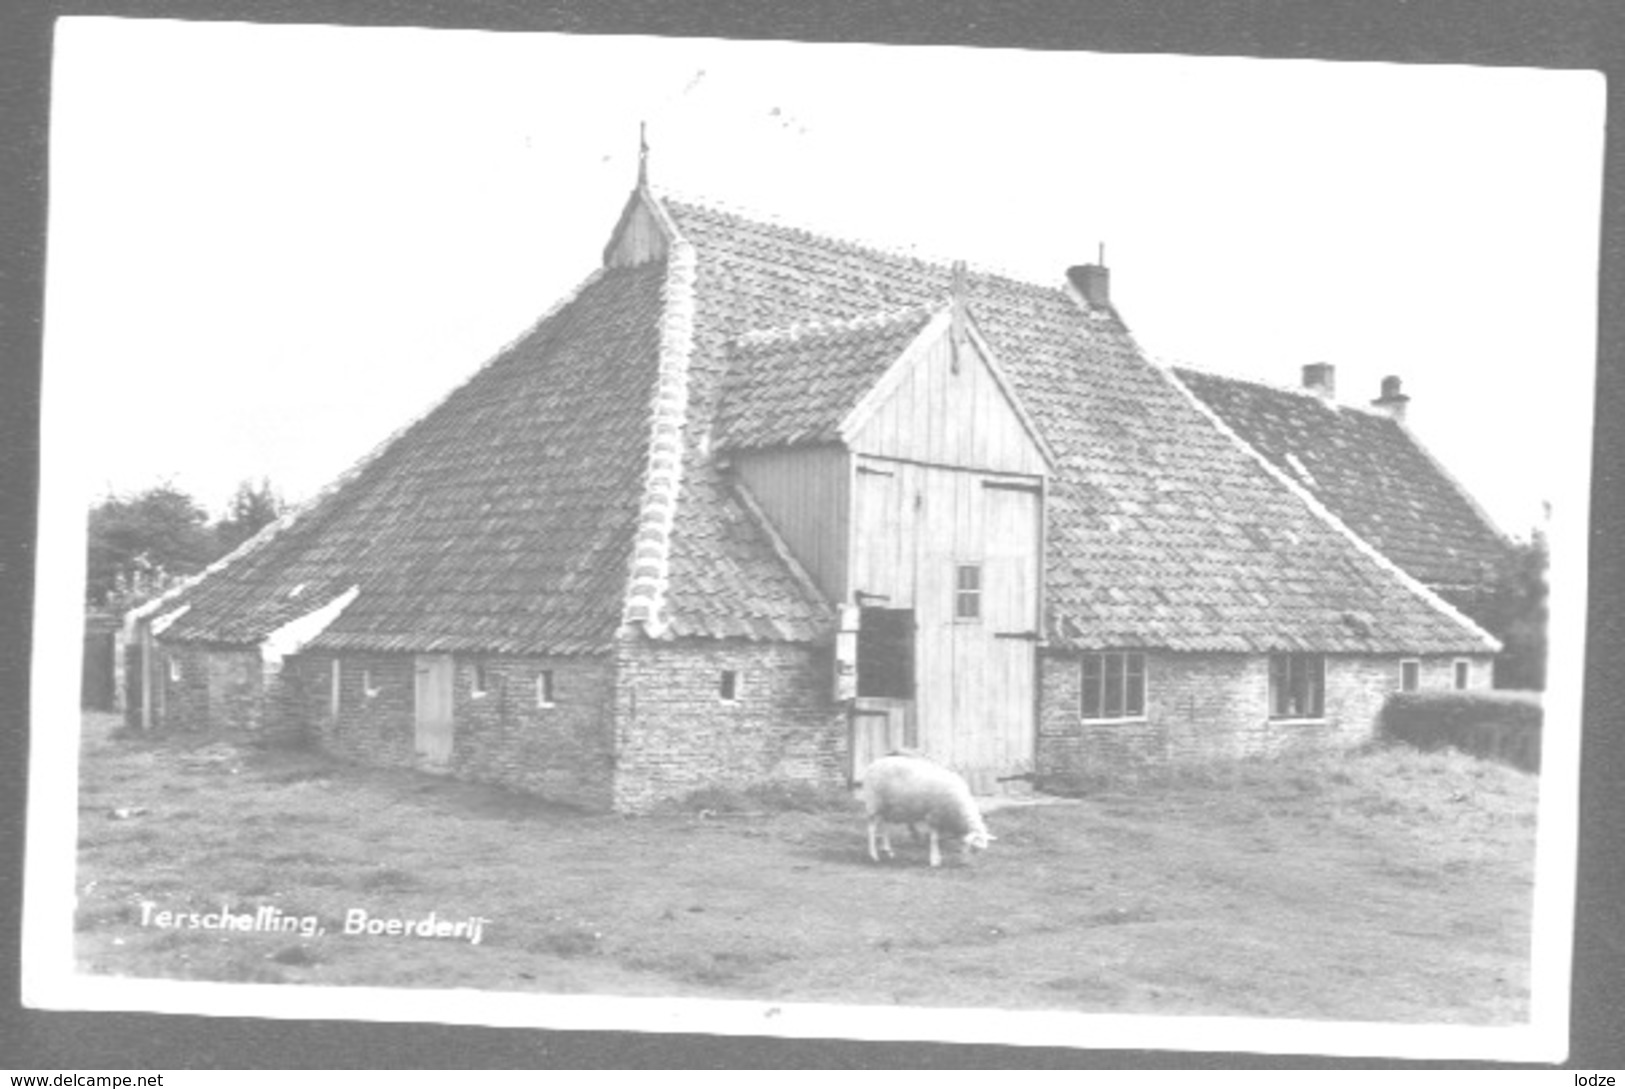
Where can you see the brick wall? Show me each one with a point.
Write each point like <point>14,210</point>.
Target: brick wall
<point>677,735</point>
<point>563,752</point>
<point>1215,706</point>
<point>294,698</point>
<point>1439,673</point>
<point>218,689</point>
<point>377,729</point>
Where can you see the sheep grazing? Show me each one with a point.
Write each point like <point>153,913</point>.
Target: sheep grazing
<point>911,790</point>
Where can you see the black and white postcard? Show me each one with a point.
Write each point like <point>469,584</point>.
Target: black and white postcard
<point>812,540</point>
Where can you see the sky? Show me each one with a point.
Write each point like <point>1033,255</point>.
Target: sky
<point>271,247</point>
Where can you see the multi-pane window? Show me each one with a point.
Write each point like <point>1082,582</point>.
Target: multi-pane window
<point>1114,684</point>
<point>544,688</point>
<point>968,591</point>
<point>1463,672</point>
<point>1297,686</point>
<point>1410,676</point>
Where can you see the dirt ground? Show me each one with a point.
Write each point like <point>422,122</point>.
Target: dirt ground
<point>1382,885</point>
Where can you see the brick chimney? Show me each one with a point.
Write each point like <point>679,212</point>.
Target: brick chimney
<point>1392,401</point>
<point>1321,380</point>
<point>1093,282</point>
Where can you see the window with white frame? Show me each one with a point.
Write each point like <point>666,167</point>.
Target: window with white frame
<point>1297,686</point>
<point>968,591</point>
<point>1464,673</point>
<point>544,689</point>
<point>1410,675</point>
<point>1114,684</point>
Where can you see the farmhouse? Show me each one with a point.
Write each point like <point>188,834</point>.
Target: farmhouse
<point>757,504</point>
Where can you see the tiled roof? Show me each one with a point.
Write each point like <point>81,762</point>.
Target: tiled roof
<point>1369,471</point>
<point>1162,531</point>
<point>796,384</point>
<point>502,521</point>
<point>507,519</point>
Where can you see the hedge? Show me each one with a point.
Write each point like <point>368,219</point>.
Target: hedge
<point>1500,725</point>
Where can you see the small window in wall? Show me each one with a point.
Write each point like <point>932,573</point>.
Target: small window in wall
<point>1463,673</point>
<point>544,688</point>
<point>1297,686</point>
<point>1114,684</point>
<point>728,689</point>
<point>174,669</point>
<point>1410,676</point>
<point>481,682</point>
<point>968,592</point>
<point>333,690</point>
<point>367,686</point>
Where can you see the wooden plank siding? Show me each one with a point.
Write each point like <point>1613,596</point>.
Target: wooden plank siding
<point>935,416</point>
<point>914,527</point>
<point>1011,602</point>
<point>639,240</point>
<point>804,492</point>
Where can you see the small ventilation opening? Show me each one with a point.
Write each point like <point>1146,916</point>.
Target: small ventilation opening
<point>728,687</point>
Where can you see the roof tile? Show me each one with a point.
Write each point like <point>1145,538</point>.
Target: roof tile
<point>1369,471</point>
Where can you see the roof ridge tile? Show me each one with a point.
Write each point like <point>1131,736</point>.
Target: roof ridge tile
<point>650,564</point>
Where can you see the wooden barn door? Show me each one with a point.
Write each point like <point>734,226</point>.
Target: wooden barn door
<point>435,678</point>
<point>956,553</point>
<point>883,719</point>
<point>1011,570</point>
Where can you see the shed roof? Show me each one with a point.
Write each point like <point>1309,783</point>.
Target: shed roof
<point>1370,471</point>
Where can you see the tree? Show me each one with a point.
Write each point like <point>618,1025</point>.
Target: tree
<point>1512,607</point>
<point>1517,615</point>
<point>253,507</point>
<point>140,544</point>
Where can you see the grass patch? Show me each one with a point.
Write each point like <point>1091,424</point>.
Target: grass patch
<point>764,798</point>
<point>387,879</point>
<point>1380,884</point>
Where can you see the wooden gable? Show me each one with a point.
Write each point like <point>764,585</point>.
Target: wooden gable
<point>643,234</point>
<point>947,402</point>
<point>942,401</point>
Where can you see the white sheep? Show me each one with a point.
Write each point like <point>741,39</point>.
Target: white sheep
<point>903,789</point>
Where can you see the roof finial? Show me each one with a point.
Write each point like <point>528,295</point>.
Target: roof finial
<point>643,154</point>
